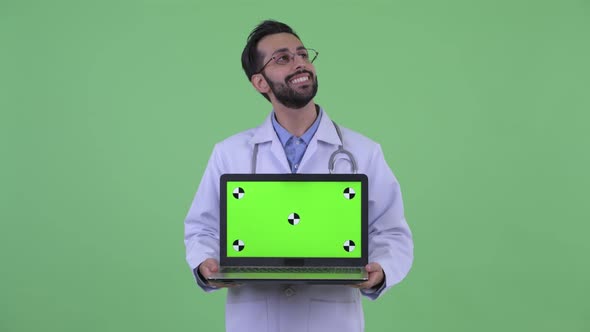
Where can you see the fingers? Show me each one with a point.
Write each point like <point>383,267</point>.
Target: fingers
<point>223,285</point>
<point>374,279</point>
<point>360,286</point>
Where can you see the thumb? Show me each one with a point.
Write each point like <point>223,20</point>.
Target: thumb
<point>208,267</point>
<point>373,267</point>
<point>211,265</point>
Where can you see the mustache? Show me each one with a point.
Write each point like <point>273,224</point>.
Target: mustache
<point>303,71</point>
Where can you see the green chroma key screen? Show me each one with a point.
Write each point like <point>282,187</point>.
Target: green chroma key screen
<point>294,219</point>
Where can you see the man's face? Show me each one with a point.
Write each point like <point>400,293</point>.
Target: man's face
<point>295,84</point>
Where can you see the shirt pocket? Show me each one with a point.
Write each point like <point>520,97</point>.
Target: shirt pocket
<point>336,316</point>
<point>247,316</point>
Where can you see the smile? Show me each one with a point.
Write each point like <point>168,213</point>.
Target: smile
<point>300,79</point>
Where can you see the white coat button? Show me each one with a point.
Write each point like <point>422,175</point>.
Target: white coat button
<point>289,291</point>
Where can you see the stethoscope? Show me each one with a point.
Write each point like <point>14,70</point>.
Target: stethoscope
<point>331,162</point>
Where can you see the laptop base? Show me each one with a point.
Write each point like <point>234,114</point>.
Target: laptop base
<point>334,278</point>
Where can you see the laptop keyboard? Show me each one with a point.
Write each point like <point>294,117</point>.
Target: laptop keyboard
<point>251,269</point>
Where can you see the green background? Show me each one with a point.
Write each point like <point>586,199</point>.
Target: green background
<point>109,111</point>
<point>327,219</point>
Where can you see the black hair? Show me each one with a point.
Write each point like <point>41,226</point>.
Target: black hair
<point>251,58</point>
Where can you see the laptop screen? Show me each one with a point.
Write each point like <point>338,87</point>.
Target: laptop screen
<point>293,215</point>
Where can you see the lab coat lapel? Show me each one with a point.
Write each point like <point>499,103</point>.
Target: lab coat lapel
<point>276,148</point>
<point>326,133</point>
<point>266,135</point>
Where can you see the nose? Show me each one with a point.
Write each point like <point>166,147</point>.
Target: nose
<point>299,62</point>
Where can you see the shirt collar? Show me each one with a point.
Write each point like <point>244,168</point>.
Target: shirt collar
<point>284,135</point>
<point>326,131</point>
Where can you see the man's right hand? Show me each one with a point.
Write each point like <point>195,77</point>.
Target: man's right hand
<point>207,268</point>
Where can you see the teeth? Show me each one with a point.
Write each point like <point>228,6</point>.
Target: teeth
<point>301,79</point>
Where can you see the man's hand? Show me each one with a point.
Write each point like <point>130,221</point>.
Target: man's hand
<point>207,268</point>
<point>376,276</point>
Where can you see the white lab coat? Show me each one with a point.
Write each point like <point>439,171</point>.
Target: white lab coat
<point>301,307</point>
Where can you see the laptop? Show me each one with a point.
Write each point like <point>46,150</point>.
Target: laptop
<point>293,228</point>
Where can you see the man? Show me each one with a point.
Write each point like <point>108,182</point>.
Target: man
<point>297,137</point>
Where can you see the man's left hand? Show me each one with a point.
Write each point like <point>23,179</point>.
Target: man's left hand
<point>376,276</point>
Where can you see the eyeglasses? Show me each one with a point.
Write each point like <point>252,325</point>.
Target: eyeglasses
<point>283,58</point>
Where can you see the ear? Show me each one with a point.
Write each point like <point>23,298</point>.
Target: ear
<point>259,83</point>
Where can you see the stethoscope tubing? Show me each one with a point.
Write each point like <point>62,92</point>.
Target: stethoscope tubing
<point>331,162</point>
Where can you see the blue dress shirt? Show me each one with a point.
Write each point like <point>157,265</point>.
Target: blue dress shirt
<point>295,146</point>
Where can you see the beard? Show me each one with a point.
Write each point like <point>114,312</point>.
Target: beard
<point>288,96</point>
